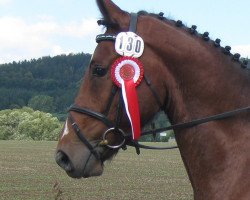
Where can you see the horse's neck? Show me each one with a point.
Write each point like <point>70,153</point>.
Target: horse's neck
<point>200,79</point>
<point>214,153</point>
<point>208,84</point>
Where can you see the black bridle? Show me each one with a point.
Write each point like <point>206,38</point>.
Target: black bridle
<point>114,127</point>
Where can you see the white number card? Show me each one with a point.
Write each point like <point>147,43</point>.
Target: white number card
<point>129,44</point>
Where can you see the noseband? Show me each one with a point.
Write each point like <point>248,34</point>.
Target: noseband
<point>114,127</point>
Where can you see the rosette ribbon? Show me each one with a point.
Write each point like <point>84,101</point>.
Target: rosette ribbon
<point>127,73</point>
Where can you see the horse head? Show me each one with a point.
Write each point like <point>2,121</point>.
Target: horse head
<point>98,108</point>
<point>179,71</point>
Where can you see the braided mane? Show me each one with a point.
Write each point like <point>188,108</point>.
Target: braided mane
<point>108,23</point>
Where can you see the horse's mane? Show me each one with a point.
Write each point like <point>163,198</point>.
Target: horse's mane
<point>204,36</point>
<point>108,23</point>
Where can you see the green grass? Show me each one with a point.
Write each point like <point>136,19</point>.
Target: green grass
<point>28,171</point>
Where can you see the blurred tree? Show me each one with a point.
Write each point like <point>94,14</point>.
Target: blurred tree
<point>56,77</point>
<point>43,103</point>
<point>27,124</point>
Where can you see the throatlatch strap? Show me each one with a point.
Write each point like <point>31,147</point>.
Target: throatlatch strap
<point>148,82</point>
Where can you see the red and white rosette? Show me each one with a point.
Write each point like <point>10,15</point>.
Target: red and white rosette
<point>127,73</point>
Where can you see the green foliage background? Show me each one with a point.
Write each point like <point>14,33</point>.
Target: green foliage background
<point>49,84</point>
<point>27,124</point>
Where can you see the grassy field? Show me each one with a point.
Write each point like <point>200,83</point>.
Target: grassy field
<point>28,171</point>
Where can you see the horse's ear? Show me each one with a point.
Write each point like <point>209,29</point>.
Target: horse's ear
<point>111,13</point>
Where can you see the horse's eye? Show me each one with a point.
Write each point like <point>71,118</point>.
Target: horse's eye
<point>99,71</point>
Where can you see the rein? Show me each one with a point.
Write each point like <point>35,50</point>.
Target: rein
<point>113,127</point>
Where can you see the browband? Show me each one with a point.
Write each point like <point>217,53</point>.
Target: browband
<point>111,37</point>
<point>104,37</point>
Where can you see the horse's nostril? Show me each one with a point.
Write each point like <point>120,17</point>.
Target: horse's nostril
<point>63,161</point>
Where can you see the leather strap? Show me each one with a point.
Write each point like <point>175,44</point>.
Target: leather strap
<point>119,112</point>
<point>142,146</point>
<point>111,98</point>
<point>183,126</point>
<point>93,114</point>
<point>105,37</point>
<point>133,22</point>
<point>80,135</point>
<point>196,122</point>
<point>148,82</point>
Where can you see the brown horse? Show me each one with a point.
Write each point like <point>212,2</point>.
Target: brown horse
<point>193,77</point>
